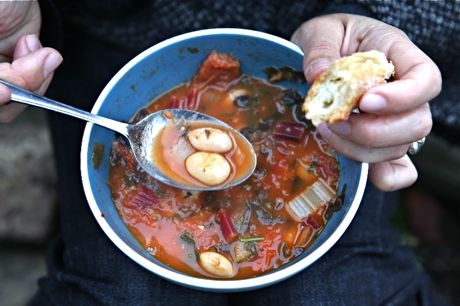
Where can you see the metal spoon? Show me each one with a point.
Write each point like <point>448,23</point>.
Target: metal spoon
<point>141,135</point>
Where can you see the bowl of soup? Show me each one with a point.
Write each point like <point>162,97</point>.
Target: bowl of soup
<point>294,207</point>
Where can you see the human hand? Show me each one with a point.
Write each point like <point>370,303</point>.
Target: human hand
<point>23,60</point>
<point>393,115</point>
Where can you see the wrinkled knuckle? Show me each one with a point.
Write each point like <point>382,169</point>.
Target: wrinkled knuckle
<point>323,47</point>
<point>308,27</point>
<point>398,44</point>
<point>400,33</point>
<point>393,31</point>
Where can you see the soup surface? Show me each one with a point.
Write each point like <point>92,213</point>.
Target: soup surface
<point>245,230</point>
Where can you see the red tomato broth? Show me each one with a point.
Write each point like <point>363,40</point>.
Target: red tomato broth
<point>256,207</point>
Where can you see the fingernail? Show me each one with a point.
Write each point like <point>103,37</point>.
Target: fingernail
<point>52,61</point>
<point>32,42</point>
<point>342,128</point>
<point>315,66</point>
<point>372,103</point>
<point>324,131</point>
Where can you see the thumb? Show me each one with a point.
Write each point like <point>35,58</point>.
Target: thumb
<point>31,70</point>
<point>321,41</point>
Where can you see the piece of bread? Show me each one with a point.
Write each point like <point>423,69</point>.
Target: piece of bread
<point>337,91</point>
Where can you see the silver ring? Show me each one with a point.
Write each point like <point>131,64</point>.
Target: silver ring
<point>416,146</point>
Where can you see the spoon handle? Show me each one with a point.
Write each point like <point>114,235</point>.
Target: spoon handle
<point>21,95</point>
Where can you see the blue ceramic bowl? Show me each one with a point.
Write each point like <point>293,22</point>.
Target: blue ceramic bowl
<point>163,67</point>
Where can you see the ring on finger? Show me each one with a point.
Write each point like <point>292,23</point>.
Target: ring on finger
<point>416,146</point>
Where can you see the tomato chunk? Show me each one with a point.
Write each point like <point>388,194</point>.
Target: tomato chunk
<point>218,69</point>
<point>221,61</point>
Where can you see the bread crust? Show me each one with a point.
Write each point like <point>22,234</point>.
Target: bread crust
<point>337,91</point>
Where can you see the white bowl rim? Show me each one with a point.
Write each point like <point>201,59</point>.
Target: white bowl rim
<point>178,277</point>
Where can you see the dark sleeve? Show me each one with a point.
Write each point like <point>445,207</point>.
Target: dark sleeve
<point>51,32</point>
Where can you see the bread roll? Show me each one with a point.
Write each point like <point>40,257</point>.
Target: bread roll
<point>337,91</point>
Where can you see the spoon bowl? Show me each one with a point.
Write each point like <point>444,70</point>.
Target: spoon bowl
<point>142,135</point>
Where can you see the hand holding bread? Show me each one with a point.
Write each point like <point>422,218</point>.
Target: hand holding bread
<point>391,115</point>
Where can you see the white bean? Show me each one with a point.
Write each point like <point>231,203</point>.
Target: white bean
<point>209,168</point>
<point>210,140</point>
<point>216,264</point>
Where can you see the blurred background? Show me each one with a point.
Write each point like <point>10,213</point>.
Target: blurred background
<point>428,217</point>
<point>27,205</point>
